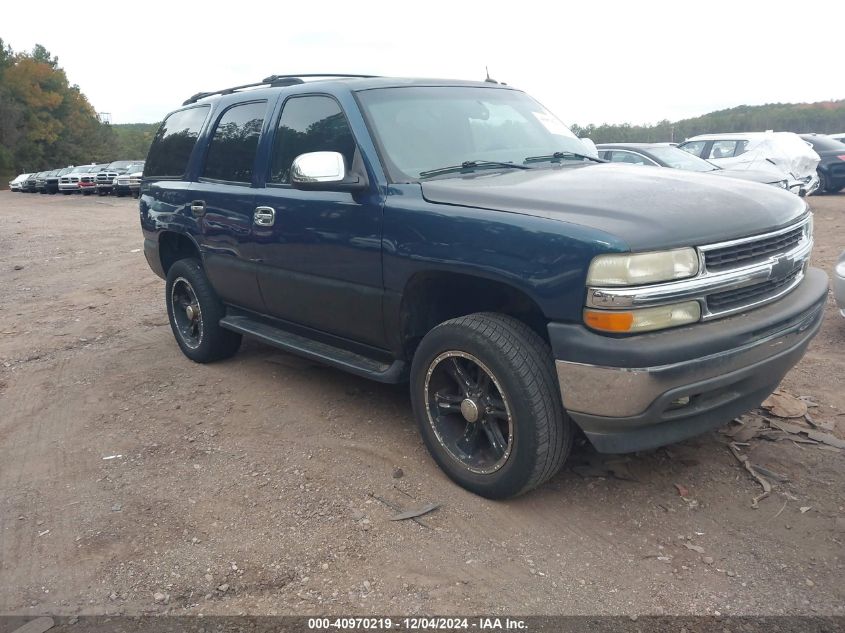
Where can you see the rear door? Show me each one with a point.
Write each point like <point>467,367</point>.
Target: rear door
<point>223,199</point>
<point>320,251</point>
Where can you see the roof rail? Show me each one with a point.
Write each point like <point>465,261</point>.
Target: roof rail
<point>272,81</point>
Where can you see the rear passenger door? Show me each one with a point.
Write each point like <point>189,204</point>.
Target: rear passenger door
<point>321,255</point>
<point>224,200</point>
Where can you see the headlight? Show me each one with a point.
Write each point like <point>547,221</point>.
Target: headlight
<point>634,269</point>
<point>808,228</point>
<point>643,319</point>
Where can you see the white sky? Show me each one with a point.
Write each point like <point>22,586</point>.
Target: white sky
<point>589,62</point>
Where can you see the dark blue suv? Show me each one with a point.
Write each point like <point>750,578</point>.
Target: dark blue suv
<point>456,235</point>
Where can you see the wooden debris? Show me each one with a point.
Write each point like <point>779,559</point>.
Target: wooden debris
<point>743,459</point>
<point>785,405</point>
<point>415,512</point>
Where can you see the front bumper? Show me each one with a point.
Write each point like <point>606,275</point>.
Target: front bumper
<point>640,392</point>
<point>806,186</point>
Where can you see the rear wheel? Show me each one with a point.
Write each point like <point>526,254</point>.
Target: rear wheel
<point>488,406</point>
<point>195,310</point>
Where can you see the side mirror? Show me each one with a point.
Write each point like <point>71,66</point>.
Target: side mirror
<point>325,171</point>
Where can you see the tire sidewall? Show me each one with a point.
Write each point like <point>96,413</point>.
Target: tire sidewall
<point>511,478</point>
<point>191,271</point>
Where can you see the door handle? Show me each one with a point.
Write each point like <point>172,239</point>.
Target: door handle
<point>264,216</point>
<point>198,207</point>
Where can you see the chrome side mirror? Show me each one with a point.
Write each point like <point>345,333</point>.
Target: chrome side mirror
<point>317,167</point>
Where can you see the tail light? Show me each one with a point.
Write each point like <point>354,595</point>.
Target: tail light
<point>841,157</point>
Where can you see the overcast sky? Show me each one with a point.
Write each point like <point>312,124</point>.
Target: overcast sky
<point>589,62</point>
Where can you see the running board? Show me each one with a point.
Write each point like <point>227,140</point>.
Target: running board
<point>314,350</point>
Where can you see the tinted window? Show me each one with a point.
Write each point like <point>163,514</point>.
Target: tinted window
<point>309,124</point>
<point>174,142</point>
<point>231,153</point>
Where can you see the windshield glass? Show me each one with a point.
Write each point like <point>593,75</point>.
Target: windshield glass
<point>119,164</point>
<point>134,167</point>
<point>420,129</point>
<point>679,159</point>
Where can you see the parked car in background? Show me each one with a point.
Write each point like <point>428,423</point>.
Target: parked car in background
<point>69,182</point>
<point>28,185</point>
<point>782,151</point>
<point>52,186</point>
<point>129,183</point>
<point>88,180</point>
<point>663,155</point>
<point>831,167</point>
<point>839,283</point>
<point>106,178</point>
<point>40,181</point>
<point>17,182</point>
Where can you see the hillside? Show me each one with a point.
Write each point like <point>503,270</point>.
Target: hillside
<point>826,117</point>
<point>132,140</point>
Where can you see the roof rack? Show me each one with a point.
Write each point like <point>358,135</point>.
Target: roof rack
<point>272,81</point>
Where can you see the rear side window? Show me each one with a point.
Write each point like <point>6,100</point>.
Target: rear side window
<point>173,143</point>
<point>231,153</point>
<point>309,124</point>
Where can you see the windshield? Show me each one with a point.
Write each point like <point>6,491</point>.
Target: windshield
<point>134,167</point>
<point>119,164</point>
<point>679,159</point>
<point>421,129</point>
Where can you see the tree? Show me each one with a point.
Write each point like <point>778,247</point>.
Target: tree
<point>44,121</point>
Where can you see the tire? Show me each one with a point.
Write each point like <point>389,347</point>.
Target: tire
<point>521,371</point>
<point>823,186</point>
<point>197,332</point>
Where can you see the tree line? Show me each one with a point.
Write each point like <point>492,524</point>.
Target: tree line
<point>45,122</point>
<point>825,117</point>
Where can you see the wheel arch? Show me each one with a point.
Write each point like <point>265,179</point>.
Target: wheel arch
<point>173,246</point>
<point>432,297</point>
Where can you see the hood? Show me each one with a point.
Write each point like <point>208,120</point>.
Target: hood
<point>647,209</point>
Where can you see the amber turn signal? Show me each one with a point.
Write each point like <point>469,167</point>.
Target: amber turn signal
<point>609,321</point>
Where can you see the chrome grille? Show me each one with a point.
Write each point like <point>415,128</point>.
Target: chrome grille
<point>751,252</point>
<point>729,299</point>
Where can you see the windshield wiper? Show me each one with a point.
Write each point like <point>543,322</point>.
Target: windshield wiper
<point>468,165</point>
<point>562,155</point>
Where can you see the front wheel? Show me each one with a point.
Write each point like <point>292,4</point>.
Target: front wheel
<point>195,310</point>
<point>487,403</point>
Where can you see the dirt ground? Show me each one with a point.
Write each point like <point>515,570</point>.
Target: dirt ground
<point>134,481</point>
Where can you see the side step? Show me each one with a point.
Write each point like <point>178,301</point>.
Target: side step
<point>315,350</point>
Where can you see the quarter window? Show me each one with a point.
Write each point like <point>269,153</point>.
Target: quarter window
<point>231,152</point>
<point>309,124</point>
<point>173,143</point>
